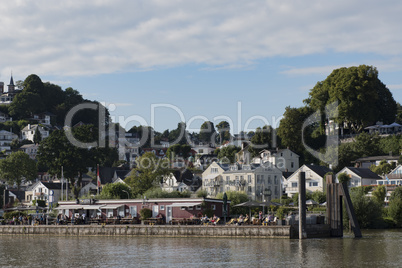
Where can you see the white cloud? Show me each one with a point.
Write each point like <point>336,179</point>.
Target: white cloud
<point>69,38</point>
<point>395,87</point>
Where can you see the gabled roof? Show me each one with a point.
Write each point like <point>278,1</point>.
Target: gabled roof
<point>364,173</point>
<point>286,174</point>
<point>54,185</point>
<point>319,170</point>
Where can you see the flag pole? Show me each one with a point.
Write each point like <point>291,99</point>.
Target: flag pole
<point>98,181</point>
<point>61,179</point>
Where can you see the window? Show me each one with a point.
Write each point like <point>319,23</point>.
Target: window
<point>227,179</point>
<point>294,184</point>
<point>213,207</point>
<point>201,151</point>
<point>258,178</point>
<point>269,179</point>
<point>313,184</point>
<point>162,207</point>
<point>249,178</point>
<point>198,207</point>
<point>214,170</point>
<point>249,189</point>
<point>291,164</point>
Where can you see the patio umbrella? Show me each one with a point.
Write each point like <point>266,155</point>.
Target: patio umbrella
<point>311,202</point>
<point>250,204</point>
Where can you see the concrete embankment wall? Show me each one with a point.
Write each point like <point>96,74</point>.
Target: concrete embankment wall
<point>151,230</point>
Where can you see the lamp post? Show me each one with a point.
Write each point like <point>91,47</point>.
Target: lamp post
<point>128,195</point>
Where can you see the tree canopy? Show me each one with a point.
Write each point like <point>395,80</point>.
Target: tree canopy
<point>16,167</point>
<point>363,99</point>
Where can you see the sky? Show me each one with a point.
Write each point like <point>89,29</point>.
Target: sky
<point>158,62</point>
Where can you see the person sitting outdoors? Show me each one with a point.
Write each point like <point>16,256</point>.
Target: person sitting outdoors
<point>214,219</point>
<point>240,221</point>
<point>204,219</point>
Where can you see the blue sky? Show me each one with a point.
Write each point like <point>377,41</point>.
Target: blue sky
<point>198,60</point>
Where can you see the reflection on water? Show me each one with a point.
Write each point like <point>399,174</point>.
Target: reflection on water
<point>375,249</point>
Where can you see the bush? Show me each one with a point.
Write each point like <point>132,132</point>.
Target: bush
<point>145,213</point>
<point>343,178</point>
<point>368,211</point>
<point>40,203</point>
<point>11,214</point>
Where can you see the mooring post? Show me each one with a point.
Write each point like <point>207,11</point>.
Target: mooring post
<point>302,205</point>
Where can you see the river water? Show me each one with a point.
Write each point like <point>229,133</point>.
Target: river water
<point>377,248</point>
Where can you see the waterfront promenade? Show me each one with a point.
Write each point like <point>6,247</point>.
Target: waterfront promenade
<point>248,231</point>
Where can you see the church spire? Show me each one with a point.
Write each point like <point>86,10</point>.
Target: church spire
<point>11,86</point>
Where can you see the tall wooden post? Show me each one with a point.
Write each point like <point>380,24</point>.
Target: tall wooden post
<point>302,205</point>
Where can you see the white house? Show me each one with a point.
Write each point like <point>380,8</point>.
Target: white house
<point>284,159</point>
<point>6,137</point>
<point>28,132</point>
<point>253,179</point>
<point>359,176</point>
<point>202,149</point>
<point>30,149</point>
<point>314,179</point>
<point>47,191</point>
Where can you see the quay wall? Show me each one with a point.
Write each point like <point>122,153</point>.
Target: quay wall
<point>150,230</point>
<point>248,231</point>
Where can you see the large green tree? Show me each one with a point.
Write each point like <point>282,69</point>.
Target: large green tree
<point>363,99</point>
<point>228,153</point>
<point>224,132</point>
<point>57,151</point>
<point>207,133</point>
<point>16,167</point>
<point>395,206</point>
<point>147,174</point>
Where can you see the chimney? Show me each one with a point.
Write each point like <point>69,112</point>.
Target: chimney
<point>29,126</point>
<point>1,87</point>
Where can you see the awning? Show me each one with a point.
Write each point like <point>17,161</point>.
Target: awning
<point>92,207</point>
<point>184,205</point>
<point>70,207</point>
<point>111,206</point>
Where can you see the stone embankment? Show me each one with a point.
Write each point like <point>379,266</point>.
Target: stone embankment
<point>161,231</point>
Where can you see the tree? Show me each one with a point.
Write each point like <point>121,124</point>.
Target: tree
<point>224,132</point>
<point>261,140</point>
<point>368,212</point>
<point>363,98</point>
<point>395,206</point>
<point>147,174</point>
<point>290,132</point>
<point>57,151</point>
<point>115,191</point>
<point>379,194</point>
<point>37,138</point>
<point>235,198</point>
<point>227,154</point>
<point>383,168</point>
<point>16,167</point>
<point>319,197</point>
<point>178,150</point>
<point>207,133</point>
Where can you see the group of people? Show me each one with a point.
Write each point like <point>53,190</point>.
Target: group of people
<point>260,220</point>
<point>214,220</point>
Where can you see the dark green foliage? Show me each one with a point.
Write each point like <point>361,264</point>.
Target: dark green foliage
<point>383,168</point>
<point>207,133</point>
<point>262,139</point>
<point>367,210</point>
<point>379,194</point>
<point>235,198</point>
<point>115,191</point>
<point>343,178</point>
<point>224,132</point>
<point>319,197</point>
<point>395,206</point>
<point>145,213</point>
<point>39,203</point>
<point>227,154</point>
<point>178,150</point>
<point>147,174</point>
<point>16,214</point>
<point>159,193</point>
<point>16,167</point>
<point>363,98</point>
